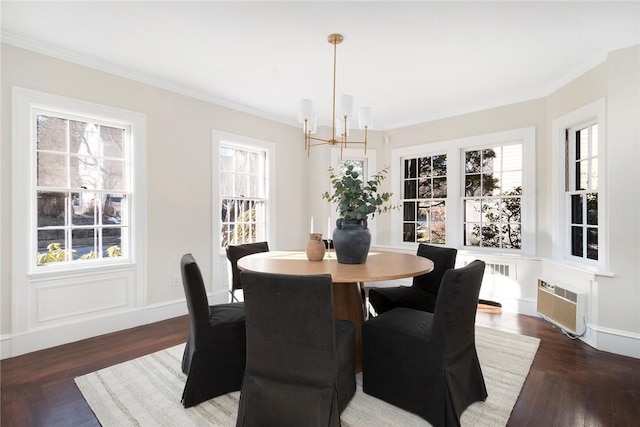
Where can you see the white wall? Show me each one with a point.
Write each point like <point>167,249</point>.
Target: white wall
<point>179,174</point>
<point>615,301</point>
<point>616,306</point>
<point>179,171</point>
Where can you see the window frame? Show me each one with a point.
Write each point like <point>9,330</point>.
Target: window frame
<point>454,149</point>
<point>488,198</point>
<point>256,200</point>
<point>220,139</point>
<point>591,113</point>
<point>69,227</point>
<point>27,105</point>
<point>417,199</point>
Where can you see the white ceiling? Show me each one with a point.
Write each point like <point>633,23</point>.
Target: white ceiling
<point>411,61</point>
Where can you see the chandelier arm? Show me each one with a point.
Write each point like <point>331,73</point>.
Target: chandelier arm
<point>352,142</point>
<point>313,138</point>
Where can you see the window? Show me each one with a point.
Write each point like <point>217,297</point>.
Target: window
<point>424,193</point>
<point>582,190</point>
<point>242,195</point>
<point>82,188</point>
<point>476,193</point>
<point>358,166</point>
<point>579,182</point>
<point>493,197</point>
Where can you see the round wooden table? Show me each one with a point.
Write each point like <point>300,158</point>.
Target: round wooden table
<point>347,278</point>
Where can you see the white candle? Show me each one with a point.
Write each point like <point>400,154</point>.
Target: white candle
<point>311,231</point>
<point>329,228</point>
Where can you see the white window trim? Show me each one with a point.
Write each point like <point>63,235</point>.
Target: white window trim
<point>595,110</point>
<point>219,138</point>
<point>455,163</point>
<point>26,278</point>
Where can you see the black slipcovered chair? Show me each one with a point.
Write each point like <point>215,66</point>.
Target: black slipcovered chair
<point>234,253</point>
<point>423,293</point>
<point>215,352</point>
<point>300,359</point>
<point>426,363</point>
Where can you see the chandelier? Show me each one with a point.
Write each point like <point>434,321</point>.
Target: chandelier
<point>341,115</point>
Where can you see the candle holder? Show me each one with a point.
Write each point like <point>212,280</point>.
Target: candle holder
<point>329,248</point>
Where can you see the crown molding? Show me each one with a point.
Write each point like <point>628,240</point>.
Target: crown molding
<point>107,67</point>
<point>104,66</point>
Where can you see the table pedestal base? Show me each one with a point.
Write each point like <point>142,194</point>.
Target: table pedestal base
<point>347,305</point>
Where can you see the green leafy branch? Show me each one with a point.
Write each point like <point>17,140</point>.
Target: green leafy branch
<point>355,198</point>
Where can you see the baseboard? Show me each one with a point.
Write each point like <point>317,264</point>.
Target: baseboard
<point>5,346</point>
<point>605,339</point>
<point>613,341</point>
<point>38,339</point>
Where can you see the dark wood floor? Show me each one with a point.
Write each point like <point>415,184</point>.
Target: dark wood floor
<point>570,383</point>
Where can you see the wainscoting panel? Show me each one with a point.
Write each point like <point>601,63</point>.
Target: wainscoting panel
<point>71,297</point>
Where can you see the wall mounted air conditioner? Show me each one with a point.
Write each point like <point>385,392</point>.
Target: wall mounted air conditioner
<point>563,307</point>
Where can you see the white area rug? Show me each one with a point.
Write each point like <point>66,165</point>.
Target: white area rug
<point>146,391</point>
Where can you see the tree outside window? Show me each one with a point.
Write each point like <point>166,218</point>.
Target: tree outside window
<point>424,193</point>
<point>81,189</point>
<point>493,197</point>
<point>242,195</point>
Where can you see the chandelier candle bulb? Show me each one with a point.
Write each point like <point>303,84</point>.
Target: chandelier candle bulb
<point>345,106</point>
<point>365,116</point>
<point>306,110</point>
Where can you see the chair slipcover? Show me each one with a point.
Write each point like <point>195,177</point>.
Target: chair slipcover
<point>234,253</point>
<point>427,363</point>
<point>300,359</point>
<point>423,293</point>
<point>214,355</point>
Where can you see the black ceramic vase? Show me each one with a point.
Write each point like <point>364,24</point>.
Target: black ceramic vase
<point>351,240</point>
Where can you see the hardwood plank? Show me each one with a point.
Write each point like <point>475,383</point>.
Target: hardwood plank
<point>38,388</point>
<point>570,383</point>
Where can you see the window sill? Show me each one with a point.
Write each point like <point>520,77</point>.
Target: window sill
<point>485,254</point>
<point>46,273</point>
<point>488,253</point>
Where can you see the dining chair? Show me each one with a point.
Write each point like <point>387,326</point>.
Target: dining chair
<point>214,354</point>
<point>422,294</point>
<point>300,360</point>
<point>234,253</point>
<point>426,363</point>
